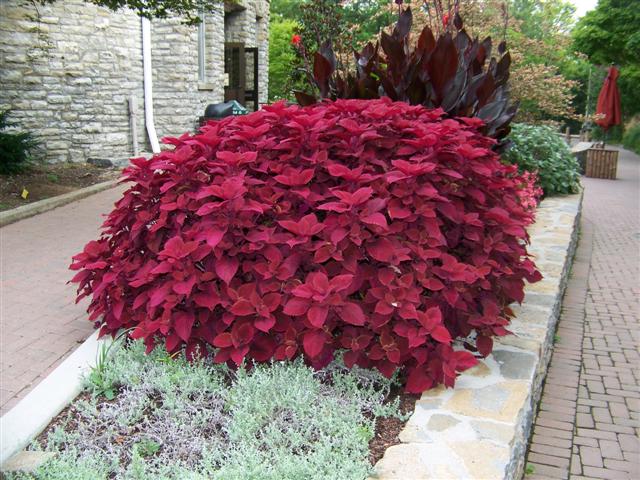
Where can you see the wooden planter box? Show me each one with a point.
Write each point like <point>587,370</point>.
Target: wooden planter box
<point>601,163</point>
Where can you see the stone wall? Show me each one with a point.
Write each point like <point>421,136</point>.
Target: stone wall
<point>68,69</point>
<point>251,27</point>
<point>66,72</point>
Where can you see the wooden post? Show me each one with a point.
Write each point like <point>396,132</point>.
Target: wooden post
<point>567,137</point>
<point>133,123</point>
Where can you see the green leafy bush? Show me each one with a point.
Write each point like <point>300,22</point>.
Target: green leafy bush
<point>15,147</point>
<point>540,149</point>
<point>631,138</point>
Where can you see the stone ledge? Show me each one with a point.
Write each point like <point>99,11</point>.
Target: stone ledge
<point>480,429</point>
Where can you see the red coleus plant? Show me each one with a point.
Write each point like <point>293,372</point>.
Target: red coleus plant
<point>376,227</point>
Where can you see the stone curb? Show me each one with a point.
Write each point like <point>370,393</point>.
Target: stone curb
<point>41,206</point>
<point>479,429</point>
<point>33,413</point>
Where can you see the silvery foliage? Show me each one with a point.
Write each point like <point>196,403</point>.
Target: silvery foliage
<point>175,420</point>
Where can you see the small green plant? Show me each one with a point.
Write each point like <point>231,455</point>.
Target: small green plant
<point>147,447</point>
<point>52,177</point>
<point>537,148</point>
<point>556,338</point>
<point>529,469</point>
<point>100,383</point>
<point>15,146</point>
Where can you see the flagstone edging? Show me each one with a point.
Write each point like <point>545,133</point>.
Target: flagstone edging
<point>480,429</point>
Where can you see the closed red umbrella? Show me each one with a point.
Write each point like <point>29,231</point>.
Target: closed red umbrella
<point>609,101</point>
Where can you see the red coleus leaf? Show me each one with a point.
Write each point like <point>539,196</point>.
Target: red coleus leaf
<point>376,219</point>
<point>313,342</point>
<point>177,248</point>
<point>485,345</point>
<point>373,226</point>
<point>317,315</point>
<point>418,381</point>
<point>352,314</point>
<point>381,250</point>
<point>226,268</point>
<point>183,323</point>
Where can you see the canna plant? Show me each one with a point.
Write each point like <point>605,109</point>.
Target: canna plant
<point>454,72</point>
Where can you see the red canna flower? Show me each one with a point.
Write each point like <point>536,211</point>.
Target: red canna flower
<point>295,40</point>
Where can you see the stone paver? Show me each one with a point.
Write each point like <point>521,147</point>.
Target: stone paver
<point>593,379</point>
<point>39,321</point>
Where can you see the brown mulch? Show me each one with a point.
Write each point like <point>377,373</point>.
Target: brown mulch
<point>45,181</point>
<point>388,428</point>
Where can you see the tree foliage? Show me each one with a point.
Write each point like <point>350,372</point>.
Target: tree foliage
<point>611,34</point>
<point>282,58</point>
<point>189,10</point>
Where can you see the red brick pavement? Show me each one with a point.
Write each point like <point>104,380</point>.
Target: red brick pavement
<point>588,422</point>
<point>39,321</point>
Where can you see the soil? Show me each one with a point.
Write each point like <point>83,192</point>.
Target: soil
<point>388,428</point>
<point>45,181</point>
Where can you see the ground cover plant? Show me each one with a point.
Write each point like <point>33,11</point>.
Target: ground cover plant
<point>539,149</point>
<point>175,420</point>
<point>374,227</point>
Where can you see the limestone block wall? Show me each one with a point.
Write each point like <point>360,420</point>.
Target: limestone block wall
<point>67,70</point>
<point>251,27</point>
<point>179,98</point>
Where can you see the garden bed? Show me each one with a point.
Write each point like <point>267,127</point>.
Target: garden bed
<point>154,417</point>
<point>44,181</point>
<point>477,430</point>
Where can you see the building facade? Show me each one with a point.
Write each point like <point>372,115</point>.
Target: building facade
<point>73,73</point>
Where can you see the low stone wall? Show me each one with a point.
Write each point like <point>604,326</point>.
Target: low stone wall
<point>480,429</point>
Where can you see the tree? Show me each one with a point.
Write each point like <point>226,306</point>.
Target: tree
<point>611,34</point>
<point>187,9</point>
<point>282,57</point>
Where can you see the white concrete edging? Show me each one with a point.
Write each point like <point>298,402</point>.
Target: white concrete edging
<point>480,429</point>
<point>25,211</point>
<point>20,425</point>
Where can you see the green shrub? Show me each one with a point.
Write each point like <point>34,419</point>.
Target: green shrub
<point>631,139</point>
<point>282,59</point>
<point>540,149</point>
<point>15,147</point>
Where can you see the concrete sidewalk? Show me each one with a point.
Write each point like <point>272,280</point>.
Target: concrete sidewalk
<point>589,418</point>
<point>39,322</point>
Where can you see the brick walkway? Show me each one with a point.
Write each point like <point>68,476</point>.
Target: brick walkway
<point>39,321</point>
<point>589,419</point>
